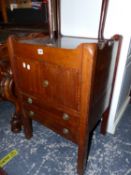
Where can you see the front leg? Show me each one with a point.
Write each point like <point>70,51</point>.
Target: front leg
<point>82,158</point>
<point>16,123</point>
<point>27,124</point>
<point>83,143</point>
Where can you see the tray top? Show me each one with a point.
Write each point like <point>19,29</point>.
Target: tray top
<point>62,42</point>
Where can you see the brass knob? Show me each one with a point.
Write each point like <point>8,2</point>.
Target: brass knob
<point>29,100</point>
<point>65,131</point>
<point>45,83</point>
<point>31,113</point>
<point>65,116</point>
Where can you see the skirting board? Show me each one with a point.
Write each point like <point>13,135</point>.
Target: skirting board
<point>119,115</point>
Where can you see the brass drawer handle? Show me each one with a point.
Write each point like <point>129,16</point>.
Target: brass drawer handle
<point>66,116</point>
<point>31,113</point>
<point>65,131</point>
<point>45,83</point>
<point>29,100</point>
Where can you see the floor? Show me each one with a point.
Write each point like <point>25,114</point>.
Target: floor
<point>49,154</point>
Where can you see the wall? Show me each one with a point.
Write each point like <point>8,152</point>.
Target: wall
<point>117,22</point>
<point>80,17</point>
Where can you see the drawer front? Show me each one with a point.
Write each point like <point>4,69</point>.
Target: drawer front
<point>60,122</point>
<point>41,101</point>
<point>60,85</point>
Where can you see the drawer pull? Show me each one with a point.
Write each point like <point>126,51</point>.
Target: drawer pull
<point>66,116</point>
<point>31,113</point>
<point>29,100</point>
<point>65,131</point>
<point>45,83</point>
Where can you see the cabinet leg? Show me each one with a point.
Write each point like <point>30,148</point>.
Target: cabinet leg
<point>27,124</point>
<point>104,122</point>
<point>83,151</point>
<point>16,123</point>
<point>81,162</point>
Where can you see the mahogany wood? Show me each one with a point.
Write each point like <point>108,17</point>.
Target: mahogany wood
<point>64,89</point>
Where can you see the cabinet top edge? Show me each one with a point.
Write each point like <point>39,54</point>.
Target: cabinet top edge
<point>65,42</point>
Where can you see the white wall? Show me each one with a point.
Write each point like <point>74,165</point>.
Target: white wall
<point>81,18</point>
<point>118,21</point>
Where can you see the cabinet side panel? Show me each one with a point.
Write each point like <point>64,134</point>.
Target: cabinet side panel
<point>100,85</point>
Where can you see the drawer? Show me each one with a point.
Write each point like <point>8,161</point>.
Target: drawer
<point>60,122</point>
<point>53,107</point>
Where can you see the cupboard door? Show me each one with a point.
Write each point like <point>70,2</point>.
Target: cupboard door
<point>60,85</point>
<point>27,72</point>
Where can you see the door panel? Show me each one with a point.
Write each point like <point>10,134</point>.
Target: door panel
<point>28,75</point>
<point>60,85</point>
